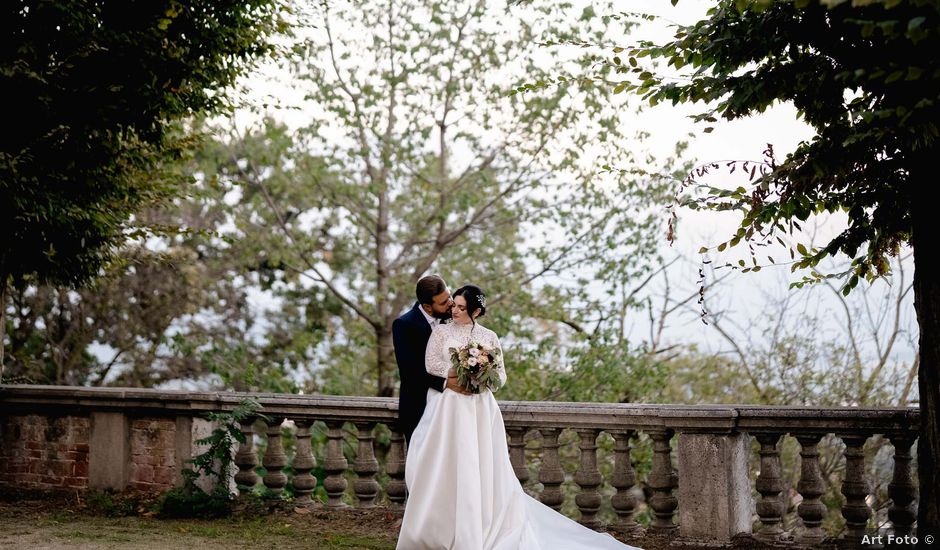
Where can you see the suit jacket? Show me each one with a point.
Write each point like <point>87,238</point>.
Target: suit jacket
<point>411,333</point>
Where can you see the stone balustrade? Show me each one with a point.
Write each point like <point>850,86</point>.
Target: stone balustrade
<point>699,486</point>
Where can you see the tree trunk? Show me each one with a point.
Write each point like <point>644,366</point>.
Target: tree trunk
<point>3,321</point>
<point>927,305</point>
<point>385,358</point>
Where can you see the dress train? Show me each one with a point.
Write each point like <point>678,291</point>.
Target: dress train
<point>463,493</point>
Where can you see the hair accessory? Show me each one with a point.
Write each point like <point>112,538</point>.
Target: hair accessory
<point>482,300</point>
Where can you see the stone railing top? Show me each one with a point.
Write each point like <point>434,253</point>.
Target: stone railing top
<point>524,414</point>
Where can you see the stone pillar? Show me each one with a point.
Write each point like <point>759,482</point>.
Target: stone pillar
<point>274,459</point>
<point>246,459</point>
<point>517,453</point>
<point>366,466</point>
<point>200,428</point>
<point>811,487</point>
<point>335,466</point>
<point>588,478</point>
<point>395,468</point>
<point>109,451</point>
<point>855,489</point>
<point>624,479</point>
<point>183,447</point>
<point>551,475</point>
<point>770,508</point>
<point>304,482</point>
<point>662,480</point>
<point>902,490</point>
<point>714,487</point>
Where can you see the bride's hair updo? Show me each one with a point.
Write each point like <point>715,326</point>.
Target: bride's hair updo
<point>476,299</point>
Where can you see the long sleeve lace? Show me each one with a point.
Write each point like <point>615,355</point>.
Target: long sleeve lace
<point>500,363</point>
<point>435,361</point>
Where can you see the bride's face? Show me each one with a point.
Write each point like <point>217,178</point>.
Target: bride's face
<point>460,311</point>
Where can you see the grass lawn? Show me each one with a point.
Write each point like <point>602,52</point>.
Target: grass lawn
<point>31,522</point>
<point>43,524</point>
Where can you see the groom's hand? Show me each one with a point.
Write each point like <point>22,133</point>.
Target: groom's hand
<point>452,385</point>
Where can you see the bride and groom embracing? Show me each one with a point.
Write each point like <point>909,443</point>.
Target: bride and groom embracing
<point>462,491</point>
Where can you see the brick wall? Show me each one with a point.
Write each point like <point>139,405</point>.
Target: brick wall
<point>52,453</point>
<point>40,452</point>
<point>153,454</point>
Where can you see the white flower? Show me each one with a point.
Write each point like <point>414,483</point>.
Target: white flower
<point>474,352</point>
<point>472,361</point>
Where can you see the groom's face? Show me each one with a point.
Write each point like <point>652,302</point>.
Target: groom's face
<point>441,304</point>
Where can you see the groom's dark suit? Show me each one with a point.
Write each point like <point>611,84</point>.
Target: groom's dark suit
<point>411,333</point>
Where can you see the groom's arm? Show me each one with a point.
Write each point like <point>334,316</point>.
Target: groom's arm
<point>407,342</point>
<point>435,382</point>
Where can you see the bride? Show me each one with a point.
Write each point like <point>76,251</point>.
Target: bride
<point>463,493</point>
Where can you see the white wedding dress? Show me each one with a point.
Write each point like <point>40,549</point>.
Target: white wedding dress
<point>463,494</point>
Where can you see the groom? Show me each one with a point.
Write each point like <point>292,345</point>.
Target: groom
<point>411,333</point>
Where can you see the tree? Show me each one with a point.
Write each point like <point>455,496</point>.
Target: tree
<point>171,312</point>
<point>416,159</point>
<point>187,307</point>
<point>97,90</point>
<point>866,76</point>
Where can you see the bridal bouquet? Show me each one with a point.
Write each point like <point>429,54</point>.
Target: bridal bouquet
<point>476,367</point>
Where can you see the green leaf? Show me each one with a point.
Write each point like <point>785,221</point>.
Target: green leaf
<point>915,22</point>
<point>894,76</point>
<point>914,73</point>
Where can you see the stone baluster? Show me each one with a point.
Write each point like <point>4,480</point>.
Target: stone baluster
<point>274,459</point>
<point>856,510</point>
<point>246,459</point>
<point>304,462</point>
<point>770,484</point>
<point>551,475</point>
<point>395,468</point>
<point>335,466</point>
<point>365,466</point>
<point>588,478</point>
<point>623,479</point>
<point>811,487</point>
<point>902,489</point>
<point>517,453</point>
<point>662,481</point>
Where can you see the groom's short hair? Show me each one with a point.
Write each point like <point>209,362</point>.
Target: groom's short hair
<point>428,287</point>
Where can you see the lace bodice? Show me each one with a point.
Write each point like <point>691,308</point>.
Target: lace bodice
<point>454,335</point>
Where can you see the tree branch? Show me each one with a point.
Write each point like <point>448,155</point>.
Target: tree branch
<point>305,258</point>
